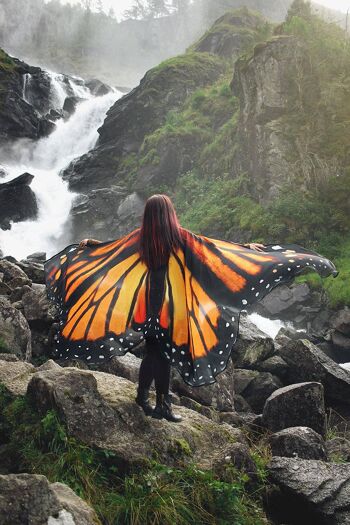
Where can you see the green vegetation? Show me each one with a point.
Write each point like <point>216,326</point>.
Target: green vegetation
<point>6,63</point>
<point>7,67</point>
<point>153,495</point>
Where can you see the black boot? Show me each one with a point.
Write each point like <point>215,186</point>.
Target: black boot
<point>167,410</point>
<point>163,409</point>
<point>142,401</point>
<point>158,409</point>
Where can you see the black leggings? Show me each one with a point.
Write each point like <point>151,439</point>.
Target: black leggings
<point>155,366</point>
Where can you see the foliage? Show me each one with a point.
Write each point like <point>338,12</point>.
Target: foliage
<point>155,494</point>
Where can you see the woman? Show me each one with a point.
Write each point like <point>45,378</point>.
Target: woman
<point>181,292</point>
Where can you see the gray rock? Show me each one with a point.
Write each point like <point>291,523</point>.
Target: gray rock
<point>275,365</point>
<point>97,88</point>
<point>37,256</point>
<point>70,105</point>
<point>319,490</point>
<point>243,378</point>
<point>341,341</point>
<point>17,200</point>
<point>15,333</point>
<point>131,208</point>
<point>252,346</point>
<point>127,366</point>
<point>33,269</point>
<point>36,305</point>
<point>15,376</point>
<point>307,363</point>
<point>100,410</point>
<point>97,212</point>
<point>284,298</point>
<point>341,321</point>
<point>8,357</point>
<point>32,499</point>
<point>296,405</point>
<point>201,409</point>
<point>298,442</point>
<point>259,389</point>
<point>241,405</point>
<point>13,275</point>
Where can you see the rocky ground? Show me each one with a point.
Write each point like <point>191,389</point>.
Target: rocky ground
<point>285,398</point>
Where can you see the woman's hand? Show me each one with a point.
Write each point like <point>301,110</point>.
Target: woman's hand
<point>88,242</point>
<point>255,246</point>
<point>84,243</point>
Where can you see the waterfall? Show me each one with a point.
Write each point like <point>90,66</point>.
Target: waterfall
<point>58,92</point>
<point>45,159</point>
<point>26,84</point>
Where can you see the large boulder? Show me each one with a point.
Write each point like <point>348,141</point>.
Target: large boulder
<point>315,491</point>
<point>306,362</point>
<point>96,212</point>
<point>100,410</point>
<point>252,345</point>
<point>17,201</point>
<point>259,389</point>
<point>296,405</point>
<point>15,336</point>
<point>31,499</point>
<point>284,298</point>
<point>276,365</point>
<point>255,387</point>
<point>37,308</point>
<point>12,275</point>
<point>298,442</point>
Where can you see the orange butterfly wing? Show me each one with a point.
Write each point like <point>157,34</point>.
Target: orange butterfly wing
<point>101,295</point>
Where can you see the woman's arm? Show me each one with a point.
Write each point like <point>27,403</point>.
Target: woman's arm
<point>89,242</point>
<point>255,246</point>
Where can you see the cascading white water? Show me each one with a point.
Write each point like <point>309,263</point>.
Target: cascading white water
<point>270,327</point>
<point>45,159</point>
<point>26,83</point>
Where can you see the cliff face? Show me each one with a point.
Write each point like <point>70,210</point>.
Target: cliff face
<point>264,85</point>
<point>139,113</point>
<point>18,118</point>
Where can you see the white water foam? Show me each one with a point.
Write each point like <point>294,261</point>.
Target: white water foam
<point>45,159</point>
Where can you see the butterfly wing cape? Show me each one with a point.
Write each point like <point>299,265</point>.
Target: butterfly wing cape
<point>108,301</point>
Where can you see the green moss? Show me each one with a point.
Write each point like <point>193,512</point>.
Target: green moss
<point>181,446</point>
<point>6,63</point>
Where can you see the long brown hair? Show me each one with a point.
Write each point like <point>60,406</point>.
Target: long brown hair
<point>160,231</point>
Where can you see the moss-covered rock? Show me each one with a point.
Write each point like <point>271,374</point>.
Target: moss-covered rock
<point>99,409</point>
